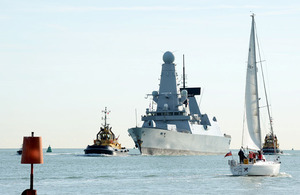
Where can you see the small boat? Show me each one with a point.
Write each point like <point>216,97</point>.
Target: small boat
<point>20,151</point>
<point>106,142</point>
<point>252,138</point>
<point>271,145</point>
<point>49,149</point>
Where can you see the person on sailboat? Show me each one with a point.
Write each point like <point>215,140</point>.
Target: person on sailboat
<point>241,155</point>
<point>260,156</point>
<point>251,156</point>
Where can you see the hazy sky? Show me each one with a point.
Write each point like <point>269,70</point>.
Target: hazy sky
<point>62,62</point>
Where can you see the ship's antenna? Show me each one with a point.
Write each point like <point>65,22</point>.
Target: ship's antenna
<point>135,118</point>
<point>183,73</point>
<point>105,116</point>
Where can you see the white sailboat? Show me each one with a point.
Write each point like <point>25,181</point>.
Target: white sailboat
<point>252,138</point>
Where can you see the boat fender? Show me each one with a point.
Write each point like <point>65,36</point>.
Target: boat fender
<point>232,162</point>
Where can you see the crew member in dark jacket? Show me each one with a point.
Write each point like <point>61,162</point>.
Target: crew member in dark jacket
<point>241,155</point>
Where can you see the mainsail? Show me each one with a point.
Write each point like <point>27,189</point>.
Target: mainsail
<point>252,137</point>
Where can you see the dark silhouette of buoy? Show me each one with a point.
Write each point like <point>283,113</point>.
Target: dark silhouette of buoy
<point>32,154</point>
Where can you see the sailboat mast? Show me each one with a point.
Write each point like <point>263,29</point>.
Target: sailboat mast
<point>266,96</point>
<point>265,89</point>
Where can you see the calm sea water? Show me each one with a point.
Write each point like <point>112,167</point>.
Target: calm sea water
<point>68,171</point>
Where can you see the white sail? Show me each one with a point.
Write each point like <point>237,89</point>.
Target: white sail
<point>252,137</point>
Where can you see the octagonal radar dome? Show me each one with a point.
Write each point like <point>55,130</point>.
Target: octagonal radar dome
<point>168,57</point>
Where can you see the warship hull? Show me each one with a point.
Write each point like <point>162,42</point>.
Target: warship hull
<point>154,141</point>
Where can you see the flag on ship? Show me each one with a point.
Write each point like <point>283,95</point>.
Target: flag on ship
<point>228,154</point>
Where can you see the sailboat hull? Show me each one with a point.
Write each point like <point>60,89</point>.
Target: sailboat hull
<point>154,141</point>
<point>260,168</point>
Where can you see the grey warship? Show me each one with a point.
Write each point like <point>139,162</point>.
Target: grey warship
<point>176,126</point>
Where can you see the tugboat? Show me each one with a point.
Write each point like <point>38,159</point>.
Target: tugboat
<point>106,142</point>
<point>49,149</point>
<point>271,145</point>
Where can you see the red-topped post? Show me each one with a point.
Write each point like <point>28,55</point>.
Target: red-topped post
<point>32,154</point>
